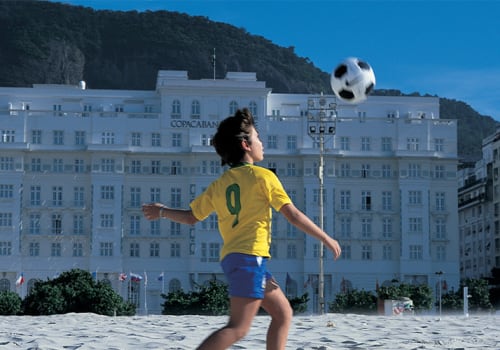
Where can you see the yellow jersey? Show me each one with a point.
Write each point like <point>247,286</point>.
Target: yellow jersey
<point>242,198</point>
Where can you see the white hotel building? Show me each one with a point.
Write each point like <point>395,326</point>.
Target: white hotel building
<point>76,164</point>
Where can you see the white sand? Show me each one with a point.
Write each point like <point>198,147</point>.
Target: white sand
<point>330,331</point>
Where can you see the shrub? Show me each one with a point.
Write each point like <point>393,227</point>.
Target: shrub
<point>299,304</point>
<point>362,302</point>
<point>421,295</point>
<point>74,291</point>
<point>10,303</point>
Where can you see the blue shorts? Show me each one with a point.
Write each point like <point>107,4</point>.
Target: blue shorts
<point>246,275</point>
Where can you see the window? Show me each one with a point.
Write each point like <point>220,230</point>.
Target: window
<point>56,224</point>
<point>366,200</point>
<point>34,224</point>
<point>386,200</point>
<point>291,142</point>
<point>77,249</point>
<point>57,196</point>
<point>415,197</point>
<point>272,141</point>
<point>441,253</point>
<point>175,250</point>
<point>291,169</point>
<point>386,144</point>
<point>206,140</point>
<point>414,170</point>
<point>366,252</point>
<point>252,107</point>
<point>57,110</point>
<point>415,225</point>
<point>195,109</point>
<point>155,167</point>
<point>386,171</point>
<point>57,165</point>
<point>135,250</point>
<point>440,201</point>
<point>86,110</point>
<point>106,249</point>
<point>175,228</point>
<point>107,220</point>
<point>345,143</point>
<point>175,167</point>
<point>176,109</point>
<point>79,166</point>
<point>346,252</point>
<point>365,143</point>
<point>136,139</point>
<point>78,224</point>
<point>345,170</point>
<point>387,252</point>
<point>233,107</point>
<point>175,197</point>
<point>80,137</point>
<point>36,137</point>
<point>345,227</point>
<point>176,139</point>
<point>108,138</point>
<point>439,172</point>
<point>35,195</point>
<point>34,249</point>
<point>345,200</point>
<point>135,225</point>
<point>291,251</point>
<point>154,227</point>
<point>387,227</point>
<point>36,165</point>
<point>440,228</point>
<point>5,248</point>
<point>58,137</point>
<point>412,144</point>
<point>416,252</point>
<point>55,249</point>
<point>154,249</point>
<point>365,170</point>
<point>366,227</point>
<point>107,192</point>
<point>6,220</point>
<point>107,165</point>
<point>439,145</point>
<point>156,139</point>
<point>6,163</point>
<point>119,108</point>
<point>135,167</point>
<point>6,191</point>
<point>79,196</point>
<point>135,197</point>
<point>154,194</point>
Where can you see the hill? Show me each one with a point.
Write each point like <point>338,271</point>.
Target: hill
<point>43,42</point>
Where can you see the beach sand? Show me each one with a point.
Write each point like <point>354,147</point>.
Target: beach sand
<point>320,332</point>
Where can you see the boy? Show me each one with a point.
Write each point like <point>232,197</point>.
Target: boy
<point>242,197</point>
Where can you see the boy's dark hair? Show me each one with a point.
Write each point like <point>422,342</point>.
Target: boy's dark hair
<point>230,133</point>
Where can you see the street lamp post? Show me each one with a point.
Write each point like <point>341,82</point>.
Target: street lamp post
<point>321,122</point>
<point>440,274</point>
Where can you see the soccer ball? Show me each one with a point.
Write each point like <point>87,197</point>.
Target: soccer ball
<point>352,80</point>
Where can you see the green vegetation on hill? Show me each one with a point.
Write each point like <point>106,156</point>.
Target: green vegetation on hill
<point>44,42</point>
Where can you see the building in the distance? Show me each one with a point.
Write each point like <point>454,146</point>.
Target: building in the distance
<point>76,164</point>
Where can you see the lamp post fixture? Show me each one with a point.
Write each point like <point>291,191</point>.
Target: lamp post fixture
<point>440,274</point>
<point>321,123</point>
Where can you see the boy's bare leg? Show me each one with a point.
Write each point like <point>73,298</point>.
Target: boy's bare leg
<point>243,310</point>
<point>278,307</point>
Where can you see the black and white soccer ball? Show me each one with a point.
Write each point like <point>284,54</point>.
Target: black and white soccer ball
<point>352,80</point>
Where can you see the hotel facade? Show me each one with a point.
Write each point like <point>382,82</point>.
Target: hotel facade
<point>76,165</point>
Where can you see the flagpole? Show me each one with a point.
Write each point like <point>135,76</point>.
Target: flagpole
<point>162,282</point>
<point>145,292</point>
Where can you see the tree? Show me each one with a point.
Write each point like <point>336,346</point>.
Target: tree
<point>10,303</point>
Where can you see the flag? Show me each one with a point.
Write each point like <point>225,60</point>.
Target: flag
<point>20,280</point>
<point>288,279</point>
<point>145,279</point>
<point>135,277</point>
<point>160,277</point>
<point>122,277</point>
<point>306,283</point>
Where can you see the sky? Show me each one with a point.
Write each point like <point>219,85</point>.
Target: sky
<point>448,48</point>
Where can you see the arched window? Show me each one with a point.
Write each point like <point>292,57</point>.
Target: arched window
<point>133,290</point>
<point>233,107</point>
<point>4,285</point>
<point>174,285</point>
<point>176,109</point>
<point>195,109</point>
<point>252,106</point>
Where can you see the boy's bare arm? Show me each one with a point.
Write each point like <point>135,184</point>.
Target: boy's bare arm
<point>154,211</point>
<point>302,222</point>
